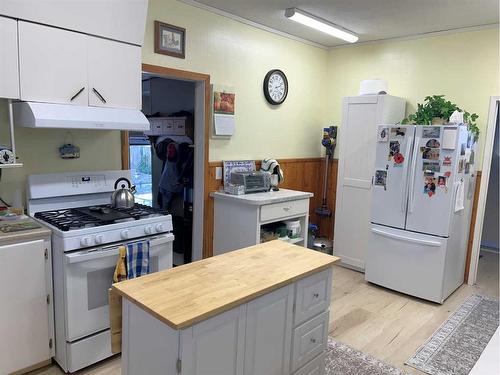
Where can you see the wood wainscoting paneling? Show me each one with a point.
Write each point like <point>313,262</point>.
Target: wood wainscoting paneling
<point>305,174</point>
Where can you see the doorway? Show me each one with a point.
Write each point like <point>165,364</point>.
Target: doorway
<point>484,254</point>
<point>487,267</point>
<point>169,164</point>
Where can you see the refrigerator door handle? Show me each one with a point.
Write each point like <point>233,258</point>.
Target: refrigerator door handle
<point>404,193</point>
<point>414,170</point>
<point>404,238</point>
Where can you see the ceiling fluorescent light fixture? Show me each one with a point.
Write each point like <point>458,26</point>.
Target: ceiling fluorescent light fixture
<point>317,23</point>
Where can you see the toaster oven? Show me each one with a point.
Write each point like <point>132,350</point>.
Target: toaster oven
<point>252,182</point>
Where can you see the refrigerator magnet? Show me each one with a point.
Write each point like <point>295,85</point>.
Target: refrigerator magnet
<point>380,178</point>
<point>397,133</point>
<point>398,159</point>
<point>430,153</point>
<point>430,186</point>
<point>449,138</point>
<point>383,134</point>
<point>461,164</point>
<point>472,156</point>
<point>433,143</point>
<point>447,174</point>
<point>394,148</point>
<point>442,182</point>
<point>431,132</point>
<point>432,166</point>
<point>447,161</point>
<point>462,149</point>
<point>467,168</point>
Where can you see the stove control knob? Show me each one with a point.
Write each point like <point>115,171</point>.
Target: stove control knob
<point>99,239</point>
<point>148,230</point>
<point>159,227</point>
<point>124,234</point>
<point>85,241</point>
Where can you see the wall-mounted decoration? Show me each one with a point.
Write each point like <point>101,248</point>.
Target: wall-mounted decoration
<point>170,40</point>
<point>224,110</point>
<point>275,87</point>
<point>68,150</point>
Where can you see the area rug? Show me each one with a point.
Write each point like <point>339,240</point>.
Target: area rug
<point>457,345</point>
<point>341,359</point>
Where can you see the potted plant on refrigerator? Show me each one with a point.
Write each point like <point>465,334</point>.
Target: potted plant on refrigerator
<point>436,110</point>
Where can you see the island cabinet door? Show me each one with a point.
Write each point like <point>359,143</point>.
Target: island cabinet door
<point>215,346</point>
<point>269,333</point>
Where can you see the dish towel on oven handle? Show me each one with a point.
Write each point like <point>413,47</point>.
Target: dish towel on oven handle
<point>137,259</point>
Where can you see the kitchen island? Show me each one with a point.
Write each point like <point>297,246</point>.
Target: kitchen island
<point>259,310</point>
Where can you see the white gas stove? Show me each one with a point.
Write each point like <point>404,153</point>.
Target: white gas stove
<point>86,235</point>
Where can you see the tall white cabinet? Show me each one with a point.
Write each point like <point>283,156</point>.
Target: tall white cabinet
<point>357,140</point>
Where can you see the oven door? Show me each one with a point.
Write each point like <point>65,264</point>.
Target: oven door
<point>89,275</point>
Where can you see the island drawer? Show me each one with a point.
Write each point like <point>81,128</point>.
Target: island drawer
<point>315,367</point>
<point>282,210</point>
<point>312,295</point>
<point>309,340</point>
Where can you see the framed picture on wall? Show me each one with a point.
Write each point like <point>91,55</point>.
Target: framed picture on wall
<point>170,40</point>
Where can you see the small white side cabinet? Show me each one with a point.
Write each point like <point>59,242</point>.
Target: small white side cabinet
<point>66,67</point>
<point>26,316</point>
<point>238,219</point>
<point>9,73</point>
<point>357,140</point>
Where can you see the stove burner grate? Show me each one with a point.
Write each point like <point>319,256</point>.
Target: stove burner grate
<point>74,218</point>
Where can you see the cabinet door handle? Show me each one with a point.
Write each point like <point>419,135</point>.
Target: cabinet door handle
<point>313,340</point>
<point>315,295</point>
<point>99,95</point>
<point>287,208</point>
<point>78,93</point>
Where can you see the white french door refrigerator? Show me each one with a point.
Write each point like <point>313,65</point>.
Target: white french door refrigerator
<point>421,192</point>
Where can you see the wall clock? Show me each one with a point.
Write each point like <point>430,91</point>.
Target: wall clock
<point>275,87</point>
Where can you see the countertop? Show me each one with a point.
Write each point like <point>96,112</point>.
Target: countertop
<point>186,295</point>
<point>282,195</point>
<point>23,235</point>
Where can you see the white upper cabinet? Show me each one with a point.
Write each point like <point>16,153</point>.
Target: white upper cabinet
<point>112,19</point>
<point>114,74</point>
<point>53,65</point>
<point>9,73</point>
<point>60,66</point>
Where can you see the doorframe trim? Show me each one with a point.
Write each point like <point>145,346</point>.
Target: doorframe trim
<point>193,77</point>
<point>483,190</point>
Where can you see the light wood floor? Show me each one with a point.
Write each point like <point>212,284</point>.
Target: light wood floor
<point>386,324</point>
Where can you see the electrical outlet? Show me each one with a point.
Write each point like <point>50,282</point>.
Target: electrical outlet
<point>218,173</point>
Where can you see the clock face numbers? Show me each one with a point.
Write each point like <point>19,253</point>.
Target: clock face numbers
<point>275,87</point>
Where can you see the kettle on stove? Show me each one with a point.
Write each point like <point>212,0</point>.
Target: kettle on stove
<point>123,197</point>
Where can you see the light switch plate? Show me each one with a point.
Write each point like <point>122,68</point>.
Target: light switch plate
<point>218,173</point>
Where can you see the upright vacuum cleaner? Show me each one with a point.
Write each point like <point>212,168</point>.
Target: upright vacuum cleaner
<point>329,141</point>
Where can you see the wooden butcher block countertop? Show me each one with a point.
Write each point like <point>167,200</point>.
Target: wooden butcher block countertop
<point>186,295</point>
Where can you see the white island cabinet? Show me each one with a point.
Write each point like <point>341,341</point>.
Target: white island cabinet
<point>238,219</point>
<point>263,310</point>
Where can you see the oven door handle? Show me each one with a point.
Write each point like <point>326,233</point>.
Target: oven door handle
<point>86,256</point>
<point>160,240</point>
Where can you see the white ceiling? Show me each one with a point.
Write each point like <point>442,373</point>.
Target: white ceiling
<point>371,19</point>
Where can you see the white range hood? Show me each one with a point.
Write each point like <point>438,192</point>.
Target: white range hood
<point>65,116</point>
